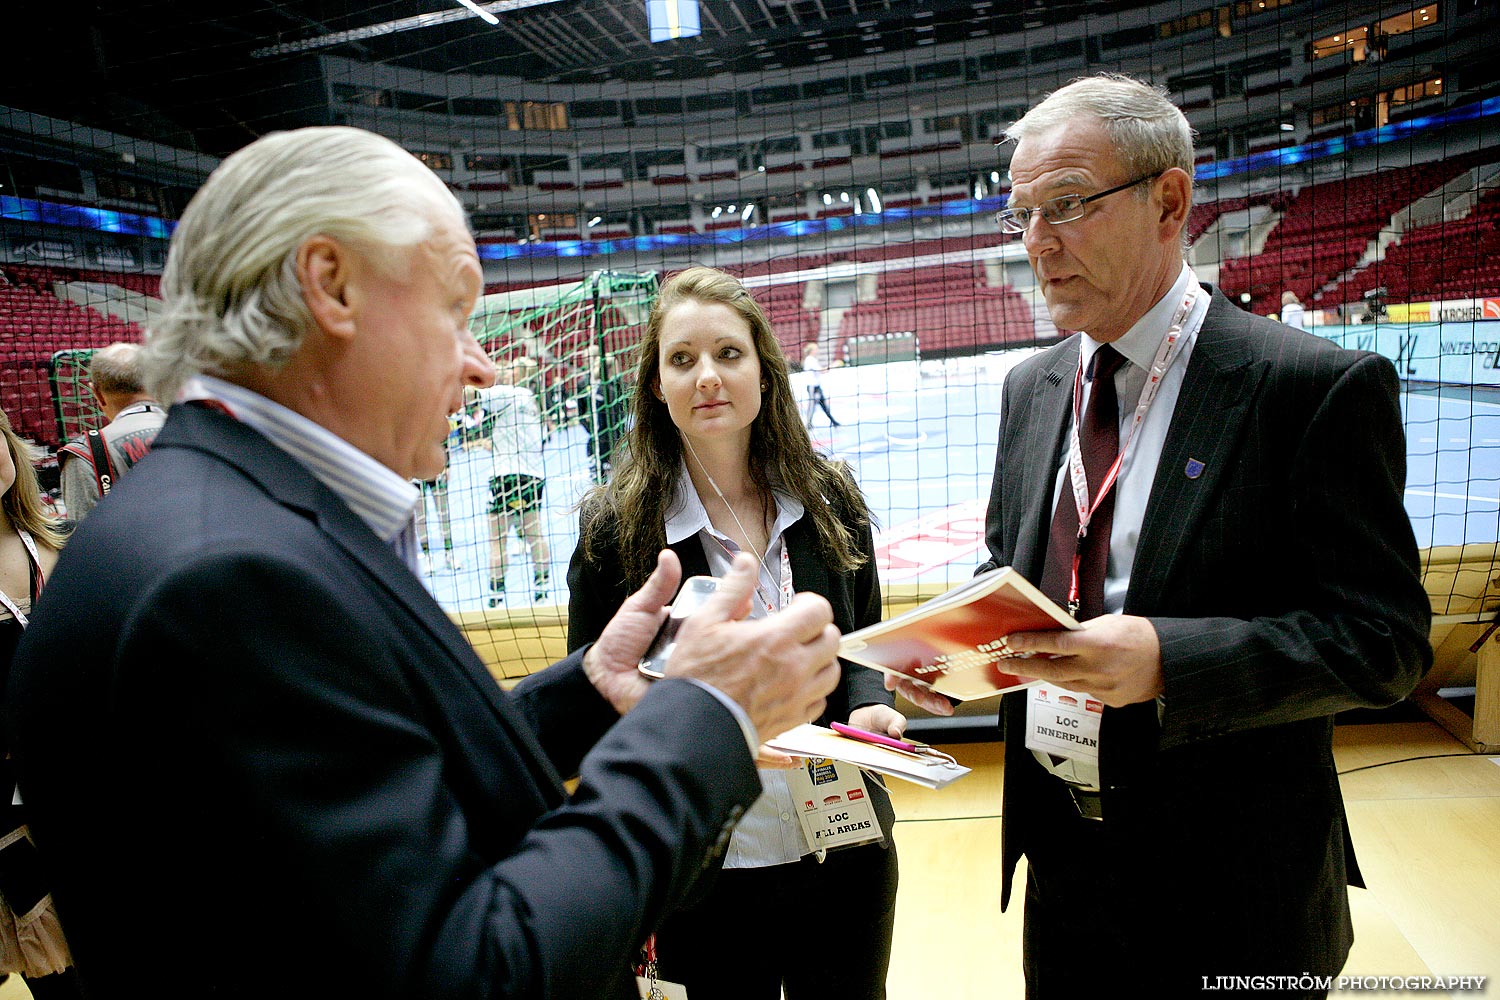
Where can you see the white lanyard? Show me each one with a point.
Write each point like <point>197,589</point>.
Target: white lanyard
<point>36,569</point>
<point>1077,477</point>
<point>781,593</point>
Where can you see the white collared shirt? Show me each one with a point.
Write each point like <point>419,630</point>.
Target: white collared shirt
<point>380,497</point>
<point>1138,471</point>
<point>770,833</point>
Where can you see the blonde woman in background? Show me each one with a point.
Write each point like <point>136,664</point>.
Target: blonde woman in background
<point>31,941</point>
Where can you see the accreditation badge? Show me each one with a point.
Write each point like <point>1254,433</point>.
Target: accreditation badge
<point>659,989</point>
<point>1065,723</point>
<point>834,802</point>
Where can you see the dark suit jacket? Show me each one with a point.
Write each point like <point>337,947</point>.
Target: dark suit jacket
<point>259,757</point>
<point>1283,584</point>
<point>597,589</point>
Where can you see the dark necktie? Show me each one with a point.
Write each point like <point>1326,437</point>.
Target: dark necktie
<point>1099,439</point>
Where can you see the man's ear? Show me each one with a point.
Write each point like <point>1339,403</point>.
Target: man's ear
<point>324,271</point>
<point>1175,191</point>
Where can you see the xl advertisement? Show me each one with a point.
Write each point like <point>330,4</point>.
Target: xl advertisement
<point>1453,343</point>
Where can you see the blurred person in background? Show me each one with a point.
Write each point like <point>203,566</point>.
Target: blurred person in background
<point>92,464</point>
<point>31,939</point>
<point>518,477</point>
<point>1292,313</point>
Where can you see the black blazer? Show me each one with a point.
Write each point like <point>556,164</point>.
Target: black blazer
<point>1283,583</point>
<point>597,588</point>
<point>253,745</point>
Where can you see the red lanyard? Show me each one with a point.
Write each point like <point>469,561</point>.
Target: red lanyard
<point>1077,477</point>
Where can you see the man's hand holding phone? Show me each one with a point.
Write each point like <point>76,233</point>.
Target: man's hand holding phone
<point>779,669</point>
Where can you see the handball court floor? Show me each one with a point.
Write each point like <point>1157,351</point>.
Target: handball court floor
<point>1424,811</point>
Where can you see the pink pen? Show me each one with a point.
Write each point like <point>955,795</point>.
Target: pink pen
<point>866,736</point>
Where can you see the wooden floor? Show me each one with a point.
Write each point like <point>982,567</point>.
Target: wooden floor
<point>1427,833</point>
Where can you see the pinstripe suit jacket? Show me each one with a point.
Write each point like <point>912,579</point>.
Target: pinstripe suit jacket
<point>1283,584</point>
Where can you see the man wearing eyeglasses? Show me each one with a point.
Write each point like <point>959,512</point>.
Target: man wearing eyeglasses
<point>1246,571</point>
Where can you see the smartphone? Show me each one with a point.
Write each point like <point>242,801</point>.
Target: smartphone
<point>690,597</point>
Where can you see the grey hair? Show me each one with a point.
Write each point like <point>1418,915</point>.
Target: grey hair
<point>1149,133</point>
<point>116,369</point>
<point>230,289</point>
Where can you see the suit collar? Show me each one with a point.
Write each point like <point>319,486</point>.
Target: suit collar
<point>381,497</point>
<point>287,482</point>
<point>1207,427</point>
<point>1046,403</point>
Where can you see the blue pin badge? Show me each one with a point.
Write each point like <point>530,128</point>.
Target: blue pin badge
<point>1194,468</point>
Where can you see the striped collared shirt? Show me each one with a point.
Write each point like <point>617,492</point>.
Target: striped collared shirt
<point>380,497</point>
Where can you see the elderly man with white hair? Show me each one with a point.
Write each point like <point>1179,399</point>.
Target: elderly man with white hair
<point>258,756</point>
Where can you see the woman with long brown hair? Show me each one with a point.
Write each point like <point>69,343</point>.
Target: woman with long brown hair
<point>31,941</point>
<point>719,463</point>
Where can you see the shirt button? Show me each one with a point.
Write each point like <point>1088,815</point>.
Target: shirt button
<point>786,817</point>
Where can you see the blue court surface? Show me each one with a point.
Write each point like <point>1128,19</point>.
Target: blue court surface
<point>921,438</point>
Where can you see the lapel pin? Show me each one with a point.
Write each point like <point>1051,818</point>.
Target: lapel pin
<point>1194,468</point>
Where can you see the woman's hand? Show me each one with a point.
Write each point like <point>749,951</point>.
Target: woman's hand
<point>882,719</point>
<point>775,760</point>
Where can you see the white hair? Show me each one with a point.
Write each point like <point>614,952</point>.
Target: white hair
<point>232,298</point>
<point>1149,133</point>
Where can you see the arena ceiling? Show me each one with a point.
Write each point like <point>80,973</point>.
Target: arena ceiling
<point>589,40</point>
<point>211,76</point>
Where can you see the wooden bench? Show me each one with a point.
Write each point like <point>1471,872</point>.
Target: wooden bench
<point>1463,583</point>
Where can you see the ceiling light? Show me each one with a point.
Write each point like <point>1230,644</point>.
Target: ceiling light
<point>480,11</point>
<point>429,20</point>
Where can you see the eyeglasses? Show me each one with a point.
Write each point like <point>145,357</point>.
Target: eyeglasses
<point>1066,208</point>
